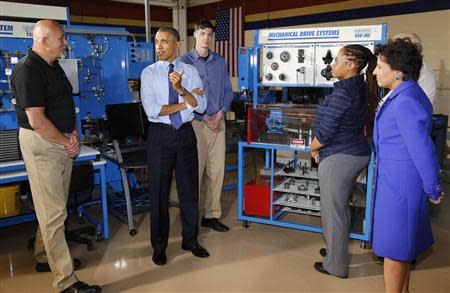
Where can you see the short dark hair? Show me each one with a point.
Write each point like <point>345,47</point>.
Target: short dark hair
<point>402,55</point>
<point>202,24</point>
<point>170,30</point>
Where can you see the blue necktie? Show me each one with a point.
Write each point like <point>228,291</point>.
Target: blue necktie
<point>175,118</point>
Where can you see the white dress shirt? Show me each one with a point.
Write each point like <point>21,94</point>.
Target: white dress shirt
<point>155,90</point>
<point>383,100</point>
<point>427,81</point>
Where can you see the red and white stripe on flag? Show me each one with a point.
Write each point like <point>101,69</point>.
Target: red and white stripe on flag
<point>230,36</point>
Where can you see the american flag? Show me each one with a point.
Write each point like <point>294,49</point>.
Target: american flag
<point>230,36</point>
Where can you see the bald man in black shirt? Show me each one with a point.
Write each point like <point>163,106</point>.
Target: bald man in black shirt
<point>49,141</point>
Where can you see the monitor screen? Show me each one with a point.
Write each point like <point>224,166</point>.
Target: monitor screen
<point>126,120</point>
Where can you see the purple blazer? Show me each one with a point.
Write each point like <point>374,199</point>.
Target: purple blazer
<point>407,174</point>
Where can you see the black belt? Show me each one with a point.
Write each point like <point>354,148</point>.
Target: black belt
<point>169,126</point>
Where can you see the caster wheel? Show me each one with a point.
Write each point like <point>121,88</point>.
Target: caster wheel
<point>132,232</point>
<point>364,244</point>
<point>246,224</point>
<point>99,237</point>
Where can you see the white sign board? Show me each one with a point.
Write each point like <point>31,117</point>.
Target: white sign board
<point>70,67</point>
<point>333,48</point>
<point>12,29</point>
<point>34,11</point>
<point>288,64</point>
<point>319,35</point>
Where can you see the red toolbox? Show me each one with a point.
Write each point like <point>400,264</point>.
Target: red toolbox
<point>257,197</point>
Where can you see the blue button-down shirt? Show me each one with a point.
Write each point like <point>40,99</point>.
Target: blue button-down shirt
<point>155,90</point>
<point>341,118</point>
<point>216,81</point>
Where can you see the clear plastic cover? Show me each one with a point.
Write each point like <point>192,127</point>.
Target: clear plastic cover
<point>281,124</point>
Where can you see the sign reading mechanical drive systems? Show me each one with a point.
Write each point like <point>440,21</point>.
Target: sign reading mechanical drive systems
<point>318,35</point>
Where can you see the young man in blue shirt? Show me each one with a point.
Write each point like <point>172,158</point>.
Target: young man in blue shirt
<point>209,127</point>
<point>168,98</point>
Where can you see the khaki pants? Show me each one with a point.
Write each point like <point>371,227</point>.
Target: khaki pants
<point>49,170</point>
<point>211,163</point>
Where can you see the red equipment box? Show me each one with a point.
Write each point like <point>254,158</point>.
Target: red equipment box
<point>257,197</point>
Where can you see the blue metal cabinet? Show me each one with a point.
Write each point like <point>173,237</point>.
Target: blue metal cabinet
<point>277,209</point>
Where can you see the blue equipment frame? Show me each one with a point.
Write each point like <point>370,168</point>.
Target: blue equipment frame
<point>274,219</point>
<point>251,65</point>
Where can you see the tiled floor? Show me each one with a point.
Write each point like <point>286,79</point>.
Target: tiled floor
<point>258,259</point>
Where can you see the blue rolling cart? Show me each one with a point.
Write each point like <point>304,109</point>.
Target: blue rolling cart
<point>277,204</point>
<point>283,59</point>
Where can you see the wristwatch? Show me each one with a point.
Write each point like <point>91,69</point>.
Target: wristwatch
<point>183,92</point>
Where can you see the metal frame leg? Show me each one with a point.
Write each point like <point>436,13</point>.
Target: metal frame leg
<point>126,190</point>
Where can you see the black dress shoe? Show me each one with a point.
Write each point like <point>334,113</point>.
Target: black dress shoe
<point>159,258</point>
<point>323,252</point>
<point>319,267</point>
<point>214,224</point>
<point>42,267</point>
<point>196,250</point>
<point>81,287</point>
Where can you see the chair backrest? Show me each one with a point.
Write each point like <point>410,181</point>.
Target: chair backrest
<point>81,183</point>
<point>126,120</point>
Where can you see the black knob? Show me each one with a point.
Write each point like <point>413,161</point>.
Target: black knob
<point>274,66</point>
<point>285,56</point>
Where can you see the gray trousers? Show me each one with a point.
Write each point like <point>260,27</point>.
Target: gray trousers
<point>337,174</point>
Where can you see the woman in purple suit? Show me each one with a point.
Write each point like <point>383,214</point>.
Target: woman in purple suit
<point>407,174</point>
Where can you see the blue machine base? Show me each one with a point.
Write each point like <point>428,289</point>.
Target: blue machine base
<point>274,220</point>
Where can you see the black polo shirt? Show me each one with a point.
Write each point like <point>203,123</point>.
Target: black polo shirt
<point>37,84</point>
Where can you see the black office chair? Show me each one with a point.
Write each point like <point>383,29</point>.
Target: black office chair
<point>80,193</point>
<point>127,130</point>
